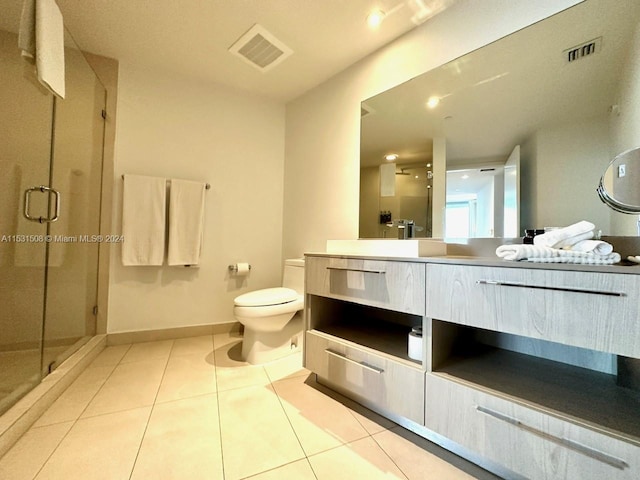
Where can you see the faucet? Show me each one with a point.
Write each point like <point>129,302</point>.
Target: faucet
<point>406,228</point>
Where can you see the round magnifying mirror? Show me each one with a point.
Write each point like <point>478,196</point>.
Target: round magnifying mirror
<point>619,186</point>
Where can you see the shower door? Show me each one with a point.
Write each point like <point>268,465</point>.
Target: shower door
<point>50,172</point>
<point>25,152</point>
<point>76,172</point>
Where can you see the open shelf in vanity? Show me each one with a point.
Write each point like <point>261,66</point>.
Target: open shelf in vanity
<point>380,330</point>
<point>587,396</point>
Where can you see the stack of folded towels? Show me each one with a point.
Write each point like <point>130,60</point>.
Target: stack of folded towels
<point>572,244</point>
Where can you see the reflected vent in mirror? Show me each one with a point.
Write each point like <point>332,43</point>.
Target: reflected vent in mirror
<point>583,50</point>
<point>260,49</point>
<point>365,110</point>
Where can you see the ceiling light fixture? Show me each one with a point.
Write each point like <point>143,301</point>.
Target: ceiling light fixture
<point>391,157</point>
<point>433,102</point>
<point>465,176</point>
<point>374,19</point>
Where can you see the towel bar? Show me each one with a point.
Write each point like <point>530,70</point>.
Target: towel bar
<point>207,186</point>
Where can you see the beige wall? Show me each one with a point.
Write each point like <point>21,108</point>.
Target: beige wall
<point>170,126</point>
<point>323,126</point>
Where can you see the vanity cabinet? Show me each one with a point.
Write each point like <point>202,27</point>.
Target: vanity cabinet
<point>518,371</point>
<point>358,315</point>
<point>522,368</point>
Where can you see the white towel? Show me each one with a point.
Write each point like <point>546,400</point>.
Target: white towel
<point>583,259</point>
<point>41,37</point>
<point>186,221</point>
<point>596,246</point>
<point>143,220</point>
<point>540,254</point>
<point>523,251</point>
<point>567,236</point>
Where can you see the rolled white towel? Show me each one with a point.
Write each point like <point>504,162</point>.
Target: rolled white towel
<point>567,236</point>
<point>596,246</point>
<point>523,251</point>
<point>538,254</point>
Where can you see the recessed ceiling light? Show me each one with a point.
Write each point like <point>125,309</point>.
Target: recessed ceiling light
<point>433,102</point>
<point>374,19</point>
<point>391,157</point>
<point>428,164</point>
<point>465,176</point>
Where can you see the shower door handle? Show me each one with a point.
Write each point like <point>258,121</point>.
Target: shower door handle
<point>47,219</point>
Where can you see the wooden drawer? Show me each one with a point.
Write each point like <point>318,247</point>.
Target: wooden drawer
<point>599,311</point>
<point>386,284</point>
<point>524,440</point>
<point>369,378</point>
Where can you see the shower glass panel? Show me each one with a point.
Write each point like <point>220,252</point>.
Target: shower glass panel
<point>48,271</point>
<point>76,172</point>
<point>25,151</point>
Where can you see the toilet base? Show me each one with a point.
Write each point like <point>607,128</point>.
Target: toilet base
<point>263,347</point>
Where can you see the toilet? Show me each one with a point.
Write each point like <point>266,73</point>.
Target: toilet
<point>272,317</point>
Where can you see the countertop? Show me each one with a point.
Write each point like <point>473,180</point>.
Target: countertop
<point>481,252</point>
<point>621,268</point>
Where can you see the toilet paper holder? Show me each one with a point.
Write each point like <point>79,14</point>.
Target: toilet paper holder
<point>234,267</point>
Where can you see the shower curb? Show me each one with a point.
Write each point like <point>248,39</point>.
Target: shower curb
<point>19,418</point>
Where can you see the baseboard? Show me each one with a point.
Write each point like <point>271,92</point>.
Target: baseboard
<point>122,338</point>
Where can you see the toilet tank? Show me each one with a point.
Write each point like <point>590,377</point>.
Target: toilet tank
<point>294,274</point>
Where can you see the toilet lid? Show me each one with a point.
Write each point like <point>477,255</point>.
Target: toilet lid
<point>267,296</point>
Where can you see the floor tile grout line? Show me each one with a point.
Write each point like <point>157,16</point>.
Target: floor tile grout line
<point>306,456</point>
<point>144,432</point>
<point>311,467</point>
<point>284,410</point>
<point>389,457</point>
<point>351,443</point>
<point>54,450</point>
<point>215,370</point>
<point>253,475</point>
<point>78,417</point>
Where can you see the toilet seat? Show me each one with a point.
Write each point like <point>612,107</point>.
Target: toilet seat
<point>268,302</point>
<point>267,297</point>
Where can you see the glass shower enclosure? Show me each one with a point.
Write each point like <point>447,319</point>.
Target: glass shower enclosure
<point>50,192</point>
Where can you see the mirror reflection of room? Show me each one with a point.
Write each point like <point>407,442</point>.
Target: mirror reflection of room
<point>513,141</point>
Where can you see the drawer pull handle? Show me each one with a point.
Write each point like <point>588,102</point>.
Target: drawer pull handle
<point>557,289</point>
<point>583,449</point>
<point>378,272</point>
<point>361,364</point>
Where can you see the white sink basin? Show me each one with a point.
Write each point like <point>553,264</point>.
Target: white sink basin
<point>388,247</point>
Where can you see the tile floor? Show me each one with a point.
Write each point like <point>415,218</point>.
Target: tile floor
<point>190,409</point>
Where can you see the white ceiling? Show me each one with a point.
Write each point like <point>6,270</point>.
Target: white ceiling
<point>193,36</point>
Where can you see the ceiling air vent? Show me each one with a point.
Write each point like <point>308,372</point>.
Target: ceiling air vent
<point>261,49</point>
<point>583,50</point>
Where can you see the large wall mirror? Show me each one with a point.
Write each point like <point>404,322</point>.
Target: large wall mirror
<point>512,136</point>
